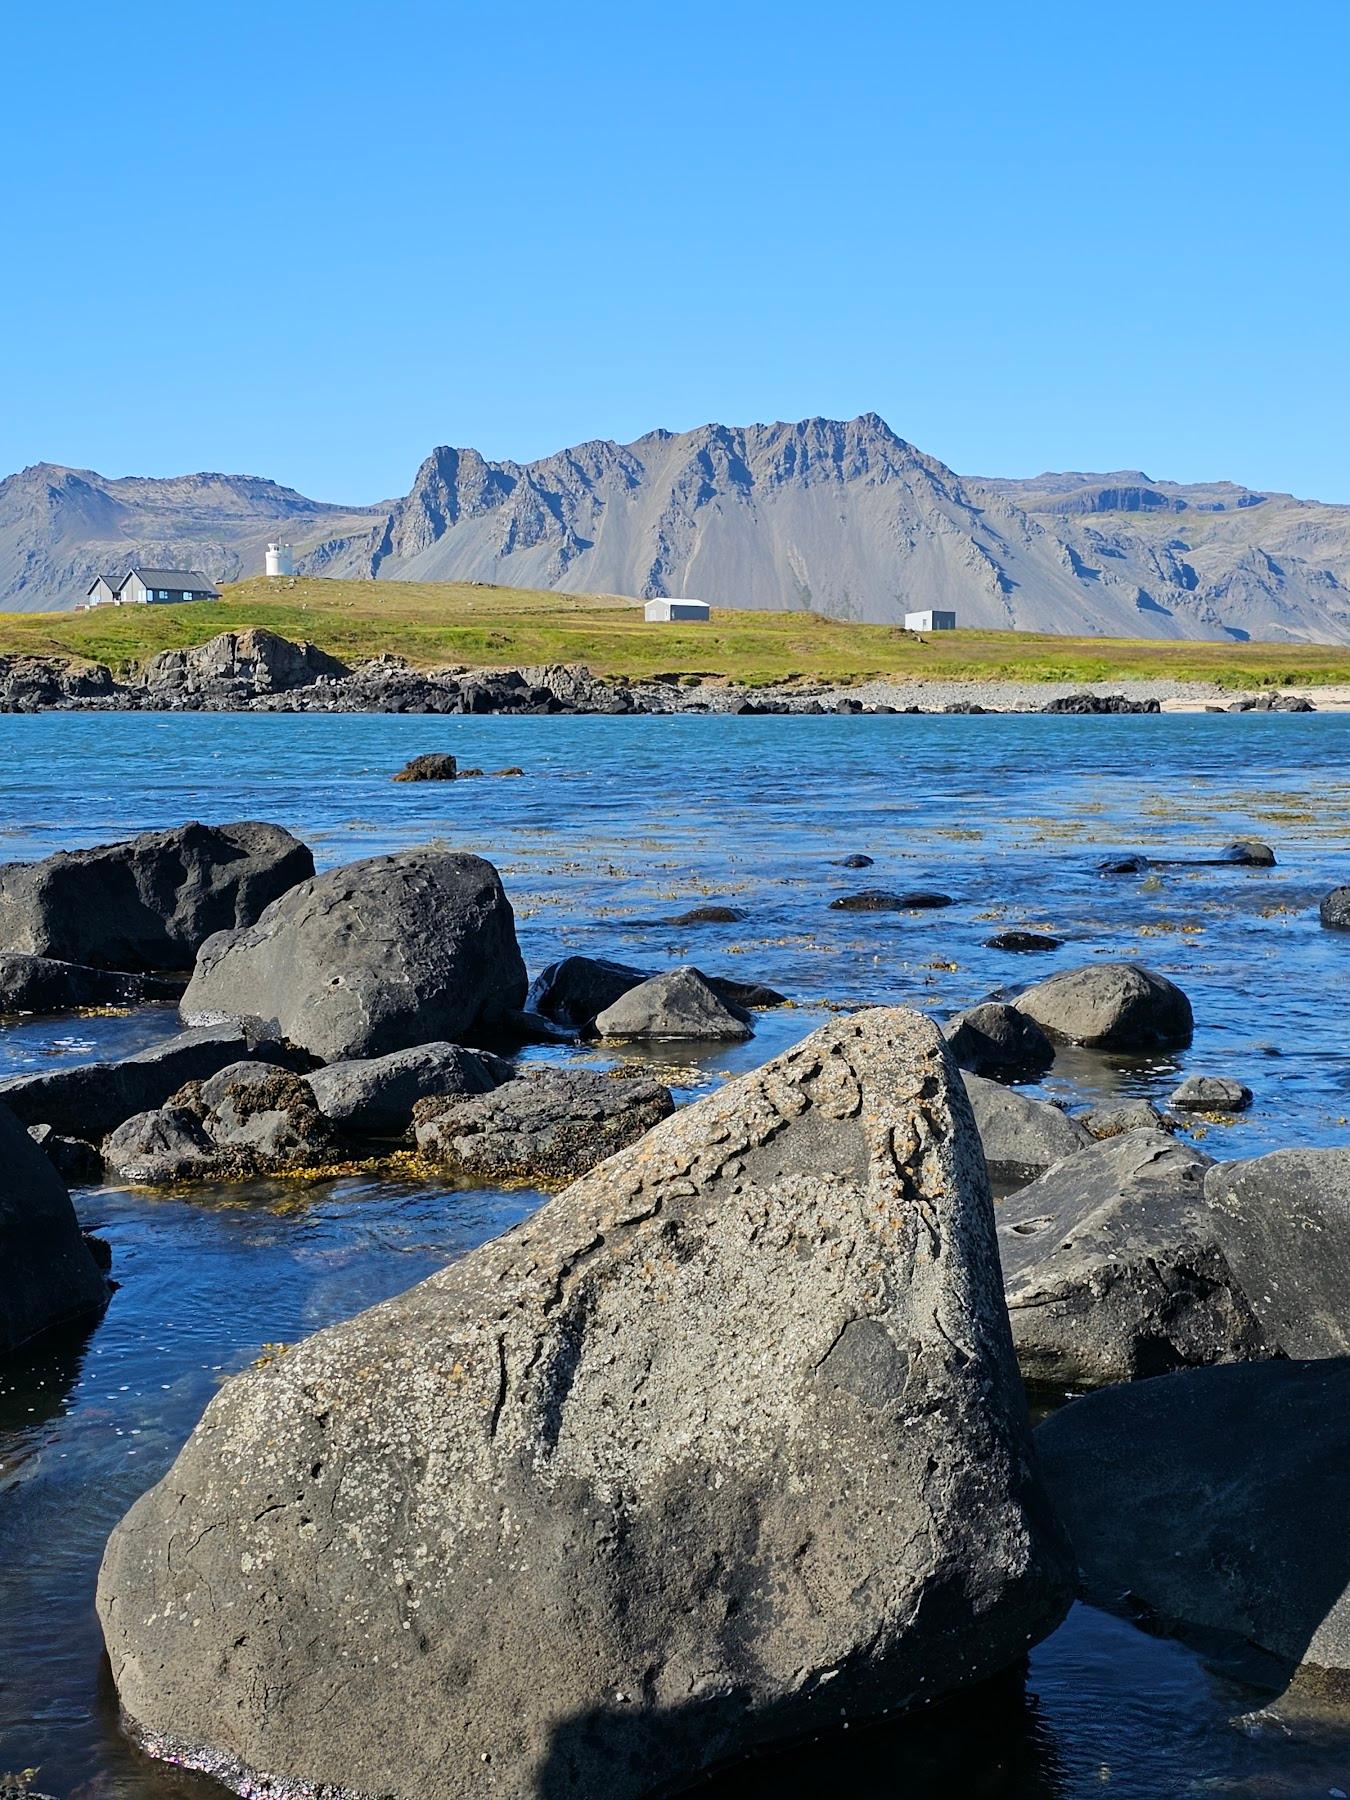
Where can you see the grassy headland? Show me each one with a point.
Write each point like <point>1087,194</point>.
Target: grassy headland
<point>434,623</point>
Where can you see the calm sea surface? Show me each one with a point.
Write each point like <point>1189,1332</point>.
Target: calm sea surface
<point>616,826</point>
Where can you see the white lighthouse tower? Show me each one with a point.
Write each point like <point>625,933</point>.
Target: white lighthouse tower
<point>279,560</point>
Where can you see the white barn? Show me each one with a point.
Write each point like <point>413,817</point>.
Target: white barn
<point>152,587</point>
<point>670,612</point>
<point>930,621</point>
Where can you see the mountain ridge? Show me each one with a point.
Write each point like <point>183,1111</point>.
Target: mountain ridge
<point>842,517</point>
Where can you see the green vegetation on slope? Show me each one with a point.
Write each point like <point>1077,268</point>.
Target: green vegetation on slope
<point>434,623</point>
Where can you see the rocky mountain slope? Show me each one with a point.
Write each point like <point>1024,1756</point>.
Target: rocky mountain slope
<point>844,518</point>
<point>59,528</point>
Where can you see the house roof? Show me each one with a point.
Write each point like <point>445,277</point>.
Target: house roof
<point>94,583</point>
<point>190,581</point>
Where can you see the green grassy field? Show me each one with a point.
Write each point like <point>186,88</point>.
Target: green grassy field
<point>461,622</point>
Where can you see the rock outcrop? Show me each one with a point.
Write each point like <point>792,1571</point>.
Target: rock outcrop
<point>1113,1269</point>
<point>1111,1006</point>
<point>376,956</point>
<point>723,1447</point>
<point>1215,1499</point>
<point>151,902</point>
<point>434,765</point>
<point>49,1279</point>
<point>235,663</point>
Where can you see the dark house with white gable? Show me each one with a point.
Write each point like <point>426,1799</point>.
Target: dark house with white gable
<point>146,587</point>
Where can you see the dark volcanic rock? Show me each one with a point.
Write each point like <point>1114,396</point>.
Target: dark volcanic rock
<point>48,1277</point>
<point>1099,703</point>
<point>433,766</point>
<point>1113,1270</point>
<point>1211,1094</point>
<point>1335,909</point>
<point>880,900</point>
<point>235,665</point>
<point>680,1004</point>
<point>1111,1006</point>
<point>994,1039</point>
<point>35,683</point>
<point>1216,1500</point>
<point>377,956</point>
<point>575,990</point>
<point>856,861</point>
<point>711,915</point>
<point>737,1414</point>
<point>151,902</point>
<point>1021,1136</point>
<point>1022,942</point>
<point>40,984</point>
<point>75,1161</point>
<point>1124,865</point>
<point>88,1100</point>
<point>377,1094</point>
<point>1284,1221</point>
<point>1110,1120</point>
<point>549,1125</point>
<point>249,1119</point>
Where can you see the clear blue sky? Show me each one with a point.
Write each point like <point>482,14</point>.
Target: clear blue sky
<point>313,240</point>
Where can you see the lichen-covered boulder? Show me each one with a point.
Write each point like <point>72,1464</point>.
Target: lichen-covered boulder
<point>725,1446</point>
<point>149,903</point>
<point>48,1276</point>
<point>376,956</point>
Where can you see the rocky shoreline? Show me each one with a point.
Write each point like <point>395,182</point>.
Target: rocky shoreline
<point>726,1444</point>
<point>256,671</point>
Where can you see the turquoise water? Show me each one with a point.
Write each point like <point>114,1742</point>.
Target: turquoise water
<point>617,825</point>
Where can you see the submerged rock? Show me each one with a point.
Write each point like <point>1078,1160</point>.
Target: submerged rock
<point>377,1094</point>
<point>1211,1094</point>
<point>550,1125</point>
<point>1021,1136</point>
<point>994,1039</point>
<point>433,766</point>
<point>377,956</point>
<point>88,1100</point>
<point>151,902</point>
<point>1111,1006</point>
<point>723,1447</point>
<point>711,915</point>
<point>1216,1499</point>
<point>1023,942</point>
<point>1110,1121</point>
<point>681,1004</point>
<point>881,900</point>
<point>856,861</point>
<point>49,1279</point>
<point>1113,1269</point>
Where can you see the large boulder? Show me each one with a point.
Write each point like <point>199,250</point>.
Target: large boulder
<point>1215,1499</point>
<point>1284,1222</point>
<point>48,1276</point>
<point>377,956</point>
<point>1334,910</point>
<point>88,1100</point>
<point>997,1040</point>
<point>679,1004</point>
<point>40,984</point>
<point>1111,1006</point>
<point>1021,1136</point>
<point>1113,1271</point>
<point>725,1446</point>
<point>574,990</point>
<point>151,902</point>
<point>377,1094</point>
<point>549,1126</point>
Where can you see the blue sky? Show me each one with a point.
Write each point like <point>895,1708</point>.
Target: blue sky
<point>311,241</point>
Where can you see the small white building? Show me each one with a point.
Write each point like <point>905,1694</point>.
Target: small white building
<point>152,587</point>
<point>672,612</point>
<point>930,621</point>
<point>279,560</point>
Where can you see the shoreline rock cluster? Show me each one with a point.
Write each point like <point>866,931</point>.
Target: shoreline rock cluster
<point>255,670</point>
<point>727,1443</point>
